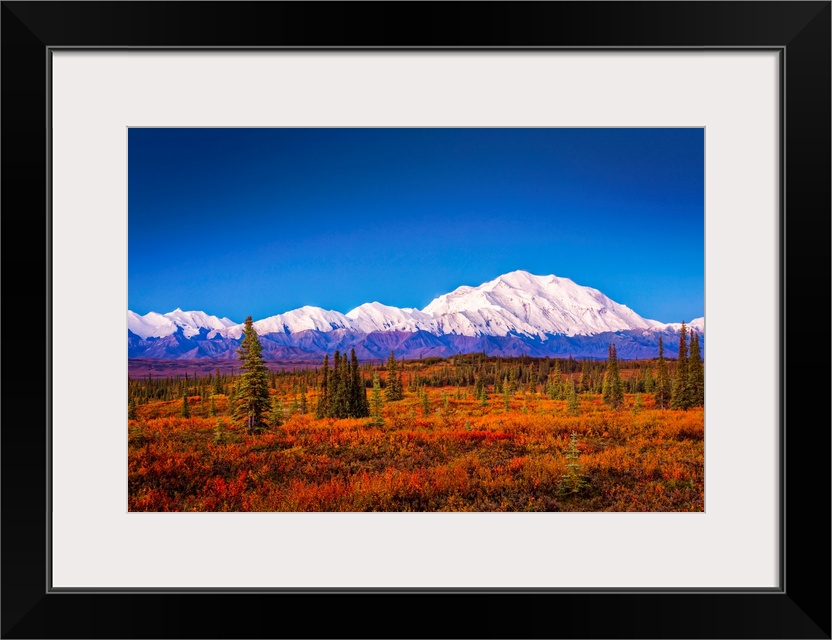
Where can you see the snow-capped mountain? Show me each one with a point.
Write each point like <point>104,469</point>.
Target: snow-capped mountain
<point>156,325</point>
<point>525,304</point>
<point>518,312</point>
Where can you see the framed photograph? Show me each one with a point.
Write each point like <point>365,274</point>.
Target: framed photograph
<point>427,200</point>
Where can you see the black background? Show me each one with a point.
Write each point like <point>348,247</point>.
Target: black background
<point>800,610</point>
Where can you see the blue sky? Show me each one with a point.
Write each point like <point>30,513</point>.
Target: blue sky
<point>238,222</point>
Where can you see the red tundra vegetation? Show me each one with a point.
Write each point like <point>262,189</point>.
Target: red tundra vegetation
<point>467,435</point>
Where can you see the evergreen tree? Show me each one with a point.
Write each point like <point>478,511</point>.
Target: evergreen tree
<point>649,380</point>
<point>394,390</point>
<point>542,371</point>
<point>252,393</point>
<point>696,373</point>
<point>218,384</point>
<point>483,397</point>
<point>337,388</point>
<point>376,402</point>
<point>220,435</point>
<point>342,392</point>
<point>585,383</point>
<point>555,391</point>
<point>212,411</point>
<point>662,380</point>
<point>322,408</point>
<point>232,398</point>
<point>479,387</point>
<point>359,405</point>
<point>345,387</point>
<point>425,401</point>
<point>186,410</point>
<point>276,415</point>
<point>572,397</point>
<point>613,389</point>
<point>132,411</point>
<point>574,479</point>
<point>679,392</point>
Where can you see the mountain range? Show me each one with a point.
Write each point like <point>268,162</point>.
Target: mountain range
<point>515,314</point>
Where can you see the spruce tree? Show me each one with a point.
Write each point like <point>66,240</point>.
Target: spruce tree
<point>662,397</point>
<point>613,389</point>
<point>337,388</point>
<point>479,385</point>
<point>252,391</point>
<point>585,383</point>
<point>572,397</point>
<point>359,405</point>
<point>322,408</point>
<point>679,393</point>
<point>394,390</point>
<point>425,401</point>
<point>574,479</point>
<point>346,388</point>
<point>556,389</point>
<point>276,414</point>
<point>376,402</point>
<point>649,381</point>
<point>696,373</point>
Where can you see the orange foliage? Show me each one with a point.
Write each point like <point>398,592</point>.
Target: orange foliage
<point>460,456</point>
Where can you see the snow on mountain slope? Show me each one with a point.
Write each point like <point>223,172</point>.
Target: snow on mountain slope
<point>150,325</point>
<point>517,303</point>
<point>697,324</point>
<point>156,325</point>
<point>192,321</point>
<point>374,316</point>
<point>302,319</point>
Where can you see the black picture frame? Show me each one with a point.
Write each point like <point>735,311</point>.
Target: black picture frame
<point>799,31</point>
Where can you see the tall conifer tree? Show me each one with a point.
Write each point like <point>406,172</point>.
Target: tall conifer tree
<point>359,405</point>
<point>572,397</point>
<point>679,393</point>
<point>336,386</point>
<point>662,396</point>
<point>696,373</point>
<point>252,403</point>
<point>322,408</point>
<point>613,388</point>
<point>394,390</point>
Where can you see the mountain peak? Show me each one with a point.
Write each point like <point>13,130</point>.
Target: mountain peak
<point>517,303</point>
<point>523,303</point>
